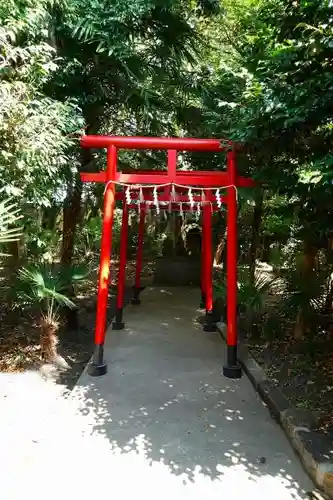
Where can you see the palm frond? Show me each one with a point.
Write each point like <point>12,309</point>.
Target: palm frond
<point>305,291</point>
<point>251,295</point>
<point>41,285</point>
<point>9,215</point>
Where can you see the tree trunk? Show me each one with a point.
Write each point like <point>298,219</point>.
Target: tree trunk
<point>71,217</point>
<point>255,237</point>
<point>72,206</point>
<point>49,341</point>
<point>218,257</point>
<point>71,214</point>
<point>299,328</point>
<point>265,253</point>
<point>310,254</point>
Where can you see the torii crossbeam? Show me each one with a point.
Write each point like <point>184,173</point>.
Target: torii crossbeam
<point>176,181</point>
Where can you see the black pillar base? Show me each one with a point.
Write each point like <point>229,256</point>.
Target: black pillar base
<point>98,367</point>
<point>233,372</point>
<point>209,324</point>
<point>232,369</point>
<point>97,370</point>
<point>117,323</point>
<point>135,301</point>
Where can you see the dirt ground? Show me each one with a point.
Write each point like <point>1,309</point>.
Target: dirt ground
<point>303,370</point>
<point>19,335</point>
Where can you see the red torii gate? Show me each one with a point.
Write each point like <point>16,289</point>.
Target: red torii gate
<point>174,183</point>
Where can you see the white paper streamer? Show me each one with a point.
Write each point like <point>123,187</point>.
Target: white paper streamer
<point>218,198</point>
<point>156,203</point>
<point>128,195</point>
<point>190,197</point>
<point>155,197</point>
<point>198,211</point>
<point>173,193</point>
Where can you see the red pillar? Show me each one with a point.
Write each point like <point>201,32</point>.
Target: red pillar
<point>232,368</point>
<point>209,324</point>
<point>137,285</point>
<point>202,279</point>
<point>118,323</point>
<point>98,366</point>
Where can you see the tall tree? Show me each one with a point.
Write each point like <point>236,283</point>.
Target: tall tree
<point>118,61</point>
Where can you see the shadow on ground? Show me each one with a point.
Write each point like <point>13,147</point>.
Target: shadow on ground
<point>165,419</point>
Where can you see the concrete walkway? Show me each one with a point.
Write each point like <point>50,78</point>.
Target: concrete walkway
<point>163,423</point>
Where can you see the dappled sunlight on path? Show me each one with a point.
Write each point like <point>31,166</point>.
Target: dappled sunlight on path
<point>162,422</point>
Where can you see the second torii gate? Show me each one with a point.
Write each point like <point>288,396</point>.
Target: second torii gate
<point>172,182</point>
<point>142,200</point>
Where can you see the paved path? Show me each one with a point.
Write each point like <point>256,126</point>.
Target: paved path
<point>163,423</point>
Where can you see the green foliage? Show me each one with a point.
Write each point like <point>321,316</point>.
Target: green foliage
<point>252,295</point>
<point>303,292</point>
<point>42,245</point>
<point>41,286</point>
<point>34,129</point>
<point>89,238</point>
<point>127,59</point>
<point>258,71</point>
<point>44,285</point>
<point>9,216</point>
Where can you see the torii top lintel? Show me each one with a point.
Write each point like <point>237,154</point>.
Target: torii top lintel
<point>171,175</point>
<point>175,143</point>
